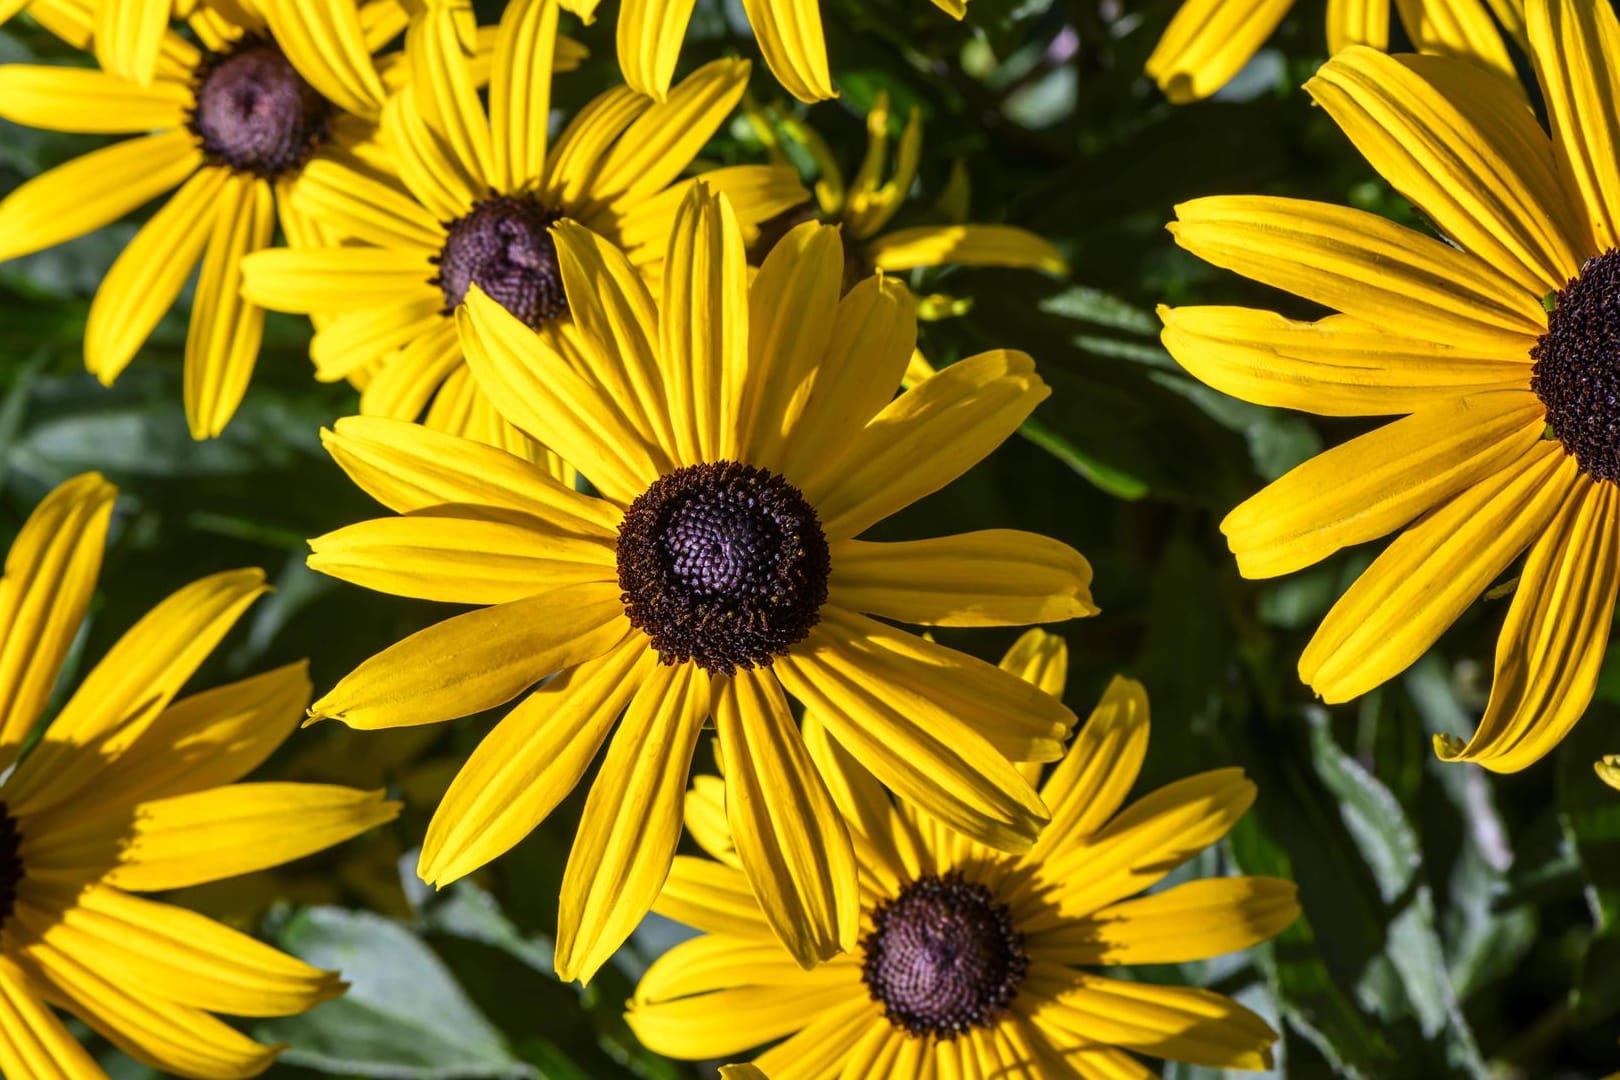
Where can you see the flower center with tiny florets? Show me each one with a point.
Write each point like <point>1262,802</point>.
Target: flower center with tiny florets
<point>253,112</point>
<point>1577,367</point>
<point>11,869</point>
<point>722,564</point>
<point>943,957</point>
<point>504,246</point>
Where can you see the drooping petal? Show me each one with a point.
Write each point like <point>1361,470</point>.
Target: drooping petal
<point>33,1042</point>
<point>1551,648</point>
<point>1208,42</point>
<point>1420,584</point>
<point>790,36</point>
<point>1376,483</point>
<point>476,661</point>
<point>649,37</point>
<point>531,761</point>
<point>88,102</point>
<point>631,821</point>
<point>964,245</point>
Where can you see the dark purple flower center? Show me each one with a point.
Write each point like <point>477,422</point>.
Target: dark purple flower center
<point>1577,367</point>
<point>504,246</point>
<point>253,112</point>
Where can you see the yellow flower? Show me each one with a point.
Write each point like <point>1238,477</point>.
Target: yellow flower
<point>307,70</point>
<point>742,434</point>
<point>789,33</point>
<point>1209,41</point>
<point>1510,440</point>
<point>864,207</point>
<point>479,196</point>
<point>130,791</point>
<point>969,959</point>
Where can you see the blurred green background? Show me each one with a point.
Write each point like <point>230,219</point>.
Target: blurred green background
<point>1457,924</point>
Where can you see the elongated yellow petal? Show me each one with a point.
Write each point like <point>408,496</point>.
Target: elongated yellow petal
<point>93,190</point>
<point>131,685</point>
<point>1576,49</point>
<point>520,93</point>
<point>794,848</point>
<point>426,162</point>
<point>1208,42</point>
<point>1551,647</point>
<point>1432,572</point>
<point>705,815</point>
<point>222,346</point>
<point>735,1019</point>
<point>149,273</point>
<point>998,577</point>
<point>757,194</point>
<point>331,279</point>
<point>88,101</point>
<point>406,381</point>
<point>964,245</point>
<point>1099,770</point>
<point>631,821</point>
<point>364,207</point>
<point>886,844</point>
<point>128,34</point>
<point>1457,28</point>
<point>50,575</point>
<point>703,328</point>
<point>790,35</point>
<point>575,161</point>
<point>1040,659</point>
<point>33,1042</point>
<point>325,41</point>
<point>924,439</point>
<point>171,954</point>
<point>824,1045</point>
<point>1357,22</point>
<point>478,660</point>
<point>74,22</point>
<point>725,961</point>
<point>409,467</point>
<point>1374,484</point>
<point>1337,366</point>
<point>1459,142</point>
<point>531,761</point>
<point>1366,266</point>
<point>461,560</point>
<point>356,339</point>
<point>1193,921</point>
<point>444,90</point>
<point>163,1035</point>
<point>714,898</point>
<point>649,39</point>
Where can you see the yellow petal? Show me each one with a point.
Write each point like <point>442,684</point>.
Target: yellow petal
<point>128,34</point>
<point>427,164</point>
<point>530,762</point>
<point>406,381</point>
<point>1457,28</point>
<point>1099,770</point>
<point>1431,573</point>
<point>714,898</point>
<point>1040,659</point>
<point>1608,770</point>
<point>410,467</point>
<point>734,1020</point>
<point>1337,366</point>
<point>364,207</point>
<point>74,22</point>
<point>1380,481</point>
<point>223,343</point>
<point>1460,143</point>
<point>1208,42</point>
<point>332,279</point>
<point>165,952</point>
<point>920,749</point>
<point>87,101</point>
<point>1551,647</point>
<point>923,440</point>
<point>823,1047</point>
<point>1192,921</point>
<point>649,39</point>
<point>964,245</point>
<point>998,577</point>
<point>476,661</point>
<point>445,93</point>
<point>520,93</point>
<point>1357,22</point>
<point>33,1042</point>
<point>50,575</point>
<point>705,816</point>
<point>794,848</point>
<point>1366,266</point>
<point>789,34</point>
<point>631,821</point>
<point>460,560</point>
<point>576,159</point>
<point>727,962</point>
<point>886,844</point>
<point>356,339</point>
<point>1576,49</point>
<point>703,328</point>
<point>325,41</point>
<point>93,190</point>
<point>149,273</point>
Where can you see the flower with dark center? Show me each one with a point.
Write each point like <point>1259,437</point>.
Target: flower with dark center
<point>723,564</point>
<point>254,113</point>
<point>504,246</point>
<point>11,868</point>
<point>1577,367</point>
<point>943,957</point>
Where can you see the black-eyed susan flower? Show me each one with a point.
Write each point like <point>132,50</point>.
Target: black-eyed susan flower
<point>1493,342</point>
<point>129,791</point>
<point>231,125</point>
<point>789,33</point>
<point>1209,41</point>
<point>742,434</point>
<point>864,206</point>
<point>480,193</point>
<point>973,963</point>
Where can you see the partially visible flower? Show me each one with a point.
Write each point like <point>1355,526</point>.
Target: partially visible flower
<point>233,124</point>
<point>972,963</point>
<point>481,192</point>
<point>130,791</point>
<point>1209,41</point>
<point>743,430</point>
<point>1608,769</point>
